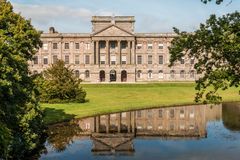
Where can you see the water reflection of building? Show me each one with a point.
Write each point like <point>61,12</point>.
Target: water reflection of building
<point>114,132</point>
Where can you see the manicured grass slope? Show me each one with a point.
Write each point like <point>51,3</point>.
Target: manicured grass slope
<point>106,98</point>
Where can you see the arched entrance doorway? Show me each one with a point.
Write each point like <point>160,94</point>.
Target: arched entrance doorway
<point>113,76</point>
<point>102,76</point>
<point>124,76</point>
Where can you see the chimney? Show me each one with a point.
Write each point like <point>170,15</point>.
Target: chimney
<point>52,30</point>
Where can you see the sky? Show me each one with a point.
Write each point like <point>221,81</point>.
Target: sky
<point>74,16</point>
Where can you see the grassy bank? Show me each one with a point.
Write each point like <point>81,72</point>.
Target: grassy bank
<point>106,98</point>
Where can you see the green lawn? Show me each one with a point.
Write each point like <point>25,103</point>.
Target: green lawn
<point>107,98</point>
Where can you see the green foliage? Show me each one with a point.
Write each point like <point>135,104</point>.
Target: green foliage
<point>59,85</point>
<point>216,48</point>
<point>21,124</point>
<point>61,135</point>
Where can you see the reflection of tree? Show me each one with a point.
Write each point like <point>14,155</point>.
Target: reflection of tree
<point>231,116</point>
<point>61,135</point>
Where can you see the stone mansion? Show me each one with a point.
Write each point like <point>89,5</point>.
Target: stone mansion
<point>113,52</point>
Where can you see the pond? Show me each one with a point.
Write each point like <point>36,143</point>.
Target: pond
<point>185,132</point>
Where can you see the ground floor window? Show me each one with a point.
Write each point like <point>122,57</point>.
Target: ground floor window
<point>35,72</point>
<point>87,74</point>
<point>182,74</point>
<point>113,76</point>
<point>139,74</point>
<point>160,74</point>
<point>172,74</point>
<point>77,74</point>
<point>192,74</point>
<point>124,76</point>
<point>102,76</point>
<point>150,74</point>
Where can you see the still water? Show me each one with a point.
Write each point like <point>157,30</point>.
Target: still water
<point>186,132</point>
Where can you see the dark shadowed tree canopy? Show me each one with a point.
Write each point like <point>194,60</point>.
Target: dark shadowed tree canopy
<point>21,127</point>
<point>216,48</point>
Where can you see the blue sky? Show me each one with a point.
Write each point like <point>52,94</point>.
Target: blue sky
<point>150,15</point>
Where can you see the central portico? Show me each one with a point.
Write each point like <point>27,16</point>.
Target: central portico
<point>114,51</point>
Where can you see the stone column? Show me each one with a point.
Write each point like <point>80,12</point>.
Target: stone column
<point>107,53</point>
<point>119,52</point>
<point>133,54</point>
<point>61,48</point>
<point>50,55</point>
<point>129,53</point>
<point>97,52</point>
<point>98,122</point>
<point>133,121</point>
<point>129,122</point>
<point>94,124</point>
<point>107,123</point>
<point>119,122</point>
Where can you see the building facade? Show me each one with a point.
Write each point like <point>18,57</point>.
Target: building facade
<point>113,52</point>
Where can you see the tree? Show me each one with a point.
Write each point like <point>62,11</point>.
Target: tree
<point>60,85</point>
<point>21,125</point>
<point>216,48</point>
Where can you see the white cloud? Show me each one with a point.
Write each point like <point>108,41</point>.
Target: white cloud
<point>42,12</point>
<point>43,16</point>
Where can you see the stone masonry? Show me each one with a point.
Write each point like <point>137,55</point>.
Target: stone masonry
<point>113,52</point>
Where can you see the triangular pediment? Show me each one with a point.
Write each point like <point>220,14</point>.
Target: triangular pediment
<point>113,31</point>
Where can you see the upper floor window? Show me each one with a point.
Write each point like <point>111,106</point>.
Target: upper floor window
<point>102,44</point>
<point>35,60</point>
<point>55,46</point>
<point>55,58</point>
<point>66,59</point>
<point>150,46</point>
<point>149,59</point>
<point>45,60</point>
<point>87,59</point>
<point>66,46</point>
<point>160,59</point>
<point>102,59</point>
<point>112,45</point>
<point>139,46</point>
<point>77,59</point>
<point>124,45</point>
<point>87,46</point>
<point>182,61</point>
<point>139,59</point>
<point>113,59</point>
<point>192,61</point>
<point>77,46</point>
<point>160,46</point>
<point>45,46</point>
<point>124,59</point>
